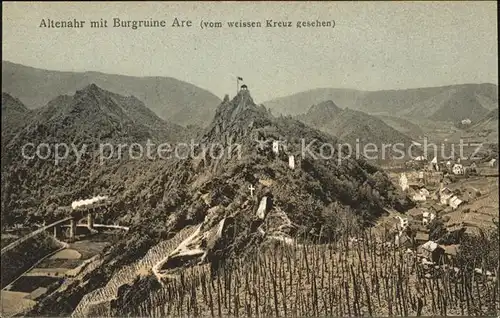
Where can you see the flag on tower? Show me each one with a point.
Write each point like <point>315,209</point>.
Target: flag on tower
<point>240,78</point>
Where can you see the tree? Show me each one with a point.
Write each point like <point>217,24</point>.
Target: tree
<point>481,250</point>
<point>437,229</point>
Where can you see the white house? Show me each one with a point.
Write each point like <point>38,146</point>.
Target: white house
<point>466,121</point>
<point>455,202</point>
<point>403,223</point>
<point>427,217</point>
<point>403,182</point>
<point>433,165</point>
<point>419,197</point>
<point>492,162</point>
<point>458,169</point>
<point>429,246</point>
<point>425,192</point>
<point>445,195</point>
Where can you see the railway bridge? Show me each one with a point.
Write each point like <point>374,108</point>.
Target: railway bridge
<point>70,216</point>
<point>81,209</point>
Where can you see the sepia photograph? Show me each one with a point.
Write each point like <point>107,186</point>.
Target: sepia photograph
<point>249,159</point>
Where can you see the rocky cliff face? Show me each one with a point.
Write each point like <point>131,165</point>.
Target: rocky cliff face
<point>249,188</point>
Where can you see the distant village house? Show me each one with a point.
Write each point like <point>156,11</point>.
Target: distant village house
<point>458,169</point>
<point>492,163</point>
<point>431,251</point>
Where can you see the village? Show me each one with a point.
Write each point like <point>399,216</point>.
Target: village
<point>460,195</point>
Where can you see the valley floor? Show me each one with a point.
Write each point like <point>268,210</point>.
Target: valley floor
<point>49,273</point>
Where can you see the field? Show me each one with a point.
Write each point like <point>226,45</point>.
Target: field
<point>89,247</point>
<point>23,293</point>
<point>13,302</point>
<point>27,289</point>
<point>67,259</point>
<point>28,284</point>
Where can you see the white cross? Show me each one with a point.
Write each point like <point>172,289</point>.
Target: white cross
<point>251,188</point>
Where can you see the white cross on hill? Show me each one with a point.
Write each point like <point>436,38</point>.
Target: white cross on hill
<point>251,188</point>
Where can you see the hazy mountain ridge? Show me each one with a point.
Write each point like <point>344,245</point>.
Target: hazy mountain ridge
<point>169,98</point>
<point>186,104</point>
<point>352,126</point>
<point>444,102</point>
<point>403,125</point>
<point>92,116</point>
<point>451,105</point>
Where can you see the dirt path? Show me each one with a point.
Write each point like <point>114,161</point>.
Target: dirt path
<point>127,273</point>
<point>157,267</point>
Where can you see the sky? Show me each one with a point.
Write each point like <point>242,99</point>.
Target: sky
<point>373,46</point>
